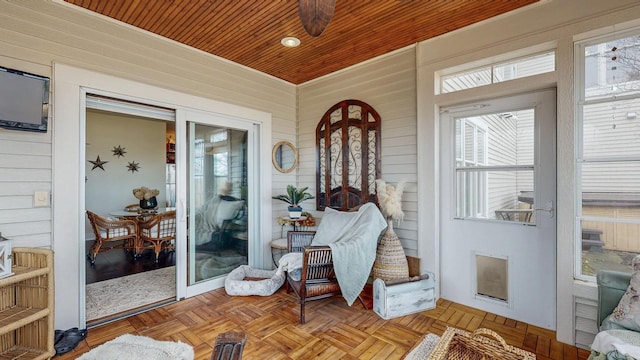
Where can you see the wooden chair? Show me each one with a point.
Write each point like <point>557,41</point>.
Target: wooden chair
<point>317,278</point>
<point>122,232</point>
<point>158,232</point>
<point>297,240</point>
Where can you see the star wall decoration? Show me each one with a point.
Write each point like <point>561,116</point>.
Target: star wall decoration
<point>133,166</point>
<point>98,163</point>
<point>118,151</point>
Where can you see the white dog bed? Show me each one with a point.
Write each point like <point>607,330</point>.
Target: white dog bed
<point>235,284</point>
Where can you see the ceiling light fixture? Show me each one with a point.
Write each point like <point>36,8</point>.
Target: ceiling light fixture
<point>315,15</point>
<point>290,41</point>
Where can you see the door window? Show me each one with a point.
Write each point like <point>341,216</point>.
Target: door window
<point>494,166</point>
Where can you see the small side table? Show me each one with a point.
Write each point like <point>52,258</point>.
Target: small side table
<point>278,248</point>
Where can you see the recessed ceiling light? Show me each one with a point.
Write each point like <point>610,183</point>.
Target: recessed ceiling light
<point>290,41</point>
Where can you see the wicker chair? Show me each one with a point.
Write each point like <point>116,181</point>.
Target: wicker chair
<point>124,233</point>
<point>317,279</point>
<point>158,232</point>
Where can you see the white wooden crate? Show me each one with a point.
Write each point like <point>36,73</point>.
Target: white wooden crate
<point>390,301</point>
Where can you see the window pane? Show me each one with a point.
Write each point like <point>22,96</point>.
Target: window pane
<point>466,80</point>
<point>501,195</point>
<point>611,178</point>
<point>495,140</point>
<point>501,139</point>
<point>469,134</point>
<point>612,68</point>
<point>519,68</point>
<point>611,205</point>
<point>458,142</point>
<point>608,245</point>
<point>611,129</point>
<point>481,147</point>
<point>498,72</point>
<point>221,167</point>
<point>610,156</point>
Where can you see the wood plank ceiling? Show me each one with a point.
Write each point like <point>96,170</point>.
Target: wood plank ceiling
<point>248,32</point>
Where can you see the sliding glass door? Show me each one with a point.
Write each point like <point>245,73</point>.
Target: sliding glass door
<point>217,179</point>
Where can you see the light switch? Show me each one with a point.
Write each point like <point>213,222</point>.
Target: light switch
<point>41,199</point>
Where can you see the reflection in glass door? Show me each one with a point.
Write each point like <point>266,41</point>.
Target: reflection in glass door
<point>218,208</point>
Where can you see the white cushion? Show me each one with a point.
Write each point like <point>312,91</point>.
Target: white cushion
<point>227,210</point>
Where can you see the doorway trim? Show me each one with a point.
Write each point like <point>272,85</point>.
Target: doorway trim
<point>70,84</point>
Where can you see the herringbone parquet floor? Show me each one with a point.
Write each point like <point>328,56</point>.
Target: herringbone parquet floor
<point>333,329</point>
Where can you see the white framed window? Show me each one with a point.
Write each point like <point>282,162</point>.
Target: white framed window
<point>516,68</point>
<point>608,153</point>
<point>471,151</point>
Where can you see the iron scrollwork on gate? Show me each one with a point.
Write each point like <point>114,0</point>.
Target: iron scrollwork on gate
<point>348,155</point>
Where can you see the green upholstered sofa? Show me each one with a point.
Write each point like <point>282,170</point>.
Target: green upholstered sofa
<point>612,285</point>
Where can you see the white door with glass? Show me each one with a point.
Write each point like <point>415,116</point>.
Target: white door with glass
<point>218,175</point>
<point>498,243</point>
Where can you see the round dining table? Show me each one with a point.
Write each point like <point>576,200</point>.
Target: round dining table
<point>123,214</point>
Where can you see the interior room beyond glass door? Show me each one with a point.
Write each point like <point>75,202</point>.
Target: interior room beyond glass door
<point>218,209</point>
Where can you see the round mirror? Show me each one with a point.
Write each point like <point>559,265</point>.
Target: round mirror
<point>285,156</point>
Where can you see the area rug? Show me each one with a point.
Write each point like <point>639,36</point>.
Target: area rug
<point>423,349</point>
<point>113,296</point>
<point>134,347</point>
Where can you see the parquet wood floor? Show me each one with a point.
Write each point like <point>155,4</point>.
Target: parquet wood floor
<point>333,329</point>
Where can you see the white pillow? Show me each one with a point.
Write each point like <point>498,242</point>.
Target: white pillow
<point>227,210</point>
<point>332,225</point>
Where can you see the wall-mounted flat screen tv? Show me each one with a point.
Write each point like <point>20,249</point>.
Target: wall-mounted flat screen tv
<point>24,101</point>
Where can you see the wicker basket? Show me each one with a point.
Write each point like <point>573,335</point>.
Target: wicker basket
<point>391,262</point>
<point>456,344</point>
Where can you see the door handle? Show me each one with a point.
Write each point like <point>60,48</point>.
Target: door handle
<point>548,208</point>
<point>182,211</point>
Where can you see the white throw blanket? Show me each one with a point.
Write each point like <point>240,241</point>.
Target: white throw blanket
<point>353,239</point>
<point>289,262</point>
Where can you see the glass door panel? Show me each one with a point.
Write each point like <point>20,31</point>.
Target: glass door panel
<point>217,201</point>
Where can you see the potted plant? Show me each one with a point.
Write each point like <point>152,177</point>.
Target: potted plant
<point>294,197</point>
